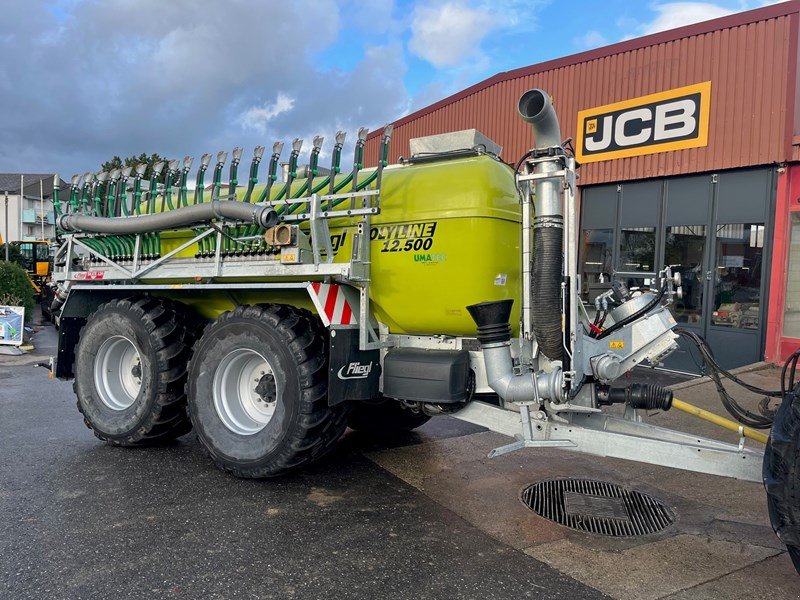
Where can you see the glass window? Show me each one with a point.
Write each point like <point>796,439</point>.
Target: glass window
<point>42,252</point>
<point>791,314</point>
<point>637,253</point>
<point>683,251</point>
<point>737,277</point>
<point>596,251</point>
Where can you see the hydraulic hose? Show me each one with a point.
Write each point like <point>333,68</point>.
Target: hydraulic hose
<point>716,372</point>
<point>262,216</point>
<point>639,313</point>
<point>535,108</point>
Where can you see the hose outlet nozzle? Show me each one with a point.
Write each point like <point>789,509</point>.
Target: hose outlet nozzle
<point>492,321</point>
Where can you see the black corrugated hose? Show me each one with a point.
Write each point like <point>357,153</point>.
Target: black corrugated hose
<point>546,293</point>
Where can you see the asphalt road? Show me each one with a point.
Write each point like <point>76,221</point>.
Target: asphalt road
<point>79,519</point>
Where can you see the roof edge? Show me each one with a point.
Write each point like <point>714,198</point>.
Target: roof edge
<point>772,11</point>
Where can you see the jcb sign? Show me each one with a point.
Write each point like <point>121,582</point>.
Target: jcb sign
<point>672,120</point>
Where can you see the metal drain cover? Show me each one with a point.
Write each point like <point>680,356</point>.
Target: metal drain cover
<point>597,507</point>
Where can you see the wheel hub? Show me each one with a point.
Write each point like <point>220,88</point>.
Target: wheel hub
<point>118,372</point>
<point>265,389</point>
<point>245,391</point>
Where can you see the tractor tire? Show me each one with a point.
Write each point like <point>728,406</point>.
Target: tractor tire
<point>782,474</point>
<point>130,371</point>
<point>384,417</point>
<point>257,390</point>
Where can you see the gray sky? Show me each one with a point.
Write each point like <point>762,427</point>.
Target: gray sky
<point>83,80</point>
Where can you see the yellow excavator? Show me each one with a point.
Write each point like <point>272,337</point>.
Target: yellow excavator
<point>38,264</point>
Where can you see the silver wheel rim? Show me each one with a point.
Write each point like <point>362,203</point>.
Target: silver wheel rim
<point>245,392</point>
<point>118,372</point>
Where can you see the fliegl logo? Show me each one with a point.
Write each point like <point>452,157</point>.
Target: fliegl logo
<point>673,120</point>
<point>355,370</point>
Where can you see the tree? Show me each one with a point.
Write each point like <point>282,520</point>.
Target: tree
<point>14,254</point>
<point>16,288</point>
<point>132,161</point>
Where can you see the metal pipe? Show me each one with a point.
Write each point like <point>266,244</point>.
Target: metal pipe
<point>717,420</point>
<point>536,108</point>
<point>494,335</point>
<point>263,216</point>
<point>6,236</point>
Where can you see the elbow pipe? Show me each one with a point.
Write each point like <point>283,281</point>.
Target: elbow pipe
<point>536,108</point>
<point>262,216</point>
<point>494,334</point>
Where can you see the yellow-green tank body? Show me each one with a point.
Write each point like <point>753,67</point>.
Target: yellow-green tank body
<point>447,236</point>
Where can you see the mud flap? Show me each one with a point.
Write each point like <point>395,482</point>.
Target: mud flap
<point>353,374</point>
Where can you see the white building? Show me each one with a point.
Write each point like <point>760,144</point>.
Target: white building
<point>30,214</point>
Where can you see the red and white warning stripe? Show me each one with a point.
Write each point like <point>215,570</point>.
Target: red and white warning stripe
<point>332,304</point>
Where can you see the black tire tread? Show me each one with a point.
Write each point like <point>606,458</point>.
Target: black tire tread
<point>319,426</point>
<point>782,474</point>
<point>174,338</point>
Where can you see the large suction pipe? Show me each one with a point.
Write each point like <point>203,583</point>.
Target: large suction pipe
<point>535,108</point>
<point>494,334</point>
<point>262,216</point>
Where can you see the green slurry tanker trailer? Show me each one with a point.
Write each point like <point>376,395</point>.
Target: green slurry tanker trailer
<point>270,316</point>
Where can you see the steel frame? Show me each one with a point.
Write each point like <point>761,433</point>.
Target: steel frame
<point>127,274</point>
<point>628,438</point>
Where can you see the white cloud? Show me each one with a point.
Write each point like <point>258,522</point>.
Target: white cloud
<point>590,39</point>
<point>257,117</point>
<point>182,83</point>
<point>450,33</point>
<point>670,15</point>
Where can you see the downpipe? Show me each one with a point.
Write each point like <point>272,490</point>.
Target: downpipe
<point>536,109</point>
<point>494,335</point>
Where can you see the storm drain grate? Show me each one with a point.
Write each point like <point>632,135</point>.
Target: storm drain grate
<point>597,507</point>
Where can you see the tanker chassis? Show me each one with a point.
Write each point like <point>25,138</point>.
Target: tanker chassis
<point>271,317</point>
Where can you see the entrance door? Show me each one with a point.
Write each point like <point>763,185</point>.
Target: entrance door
<point>737,280</point>
<point>714,236</point>
<point>687,222</point>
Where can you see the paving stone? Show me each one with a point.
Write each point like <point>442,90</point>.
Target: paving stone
<point>653,571</point>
